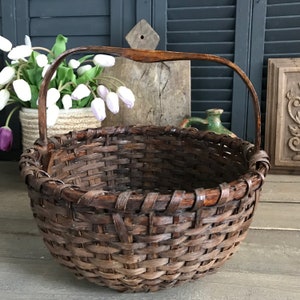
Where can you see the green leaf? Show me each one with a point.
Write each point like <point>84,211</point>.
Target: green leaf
<point>85,102</point>
<point>32,73</point>
<point>59,46</point>
<point>32,58</point>
<point>65,74</point>
<point>84,58</point>
<point>89,75</point>
<point>34,96</point>
<point>33,76</point>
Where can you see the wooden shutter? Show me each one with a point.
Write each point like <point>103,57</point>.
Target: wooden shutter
<point>206,26</point>
<point>83,22</point>
<point>282,35</point>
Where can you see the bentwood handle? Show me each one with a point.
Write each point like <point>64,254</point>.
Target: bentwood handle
<point>146,56</point>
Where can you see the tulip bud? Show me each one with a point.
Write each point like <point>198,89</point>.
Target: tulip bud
<point>6,138</point>
<point>52,115</point>
<point>6,75</point>
<point>80,92</point>
<point>126,95</point>
<point>67,102</point>
<point>5,44</point>
<point>27,41</point>
<point>74,63</point>
<point>104,60</point>
<point>53,95</point>
<point>41,60</point>
<point>112,102</point>
<point>102,91</point>
<point>4,97</point>
<point>83,69</point>
<point>45,69</point>
<point>98,109</point>
<point>22,89</point>
<point>19,52</point>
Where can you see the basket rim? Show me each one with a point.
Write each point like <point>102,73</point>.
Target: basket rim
<point>37,178</point>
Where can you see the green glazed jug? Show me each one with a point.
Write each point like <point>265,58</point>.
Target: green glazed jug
<point>211,123</point>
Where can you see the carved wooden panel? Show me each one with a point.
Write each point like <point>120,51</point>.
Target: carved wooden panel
<point>282,138</point>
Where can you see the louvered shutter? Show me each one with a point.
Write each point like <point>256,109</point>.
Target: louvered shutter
<point>282,35</point>
<point>206,26</point>
<point>83,24</point>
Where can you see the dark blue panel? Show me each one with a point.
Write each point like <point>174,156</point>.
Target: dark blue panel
<point>193,3</point>
<point>58,8</point>
<point>204,24</point>
<point>70,26</point>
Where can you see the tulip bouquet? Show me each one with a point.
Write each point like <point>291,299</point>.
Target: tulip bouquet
<point>77,83</point>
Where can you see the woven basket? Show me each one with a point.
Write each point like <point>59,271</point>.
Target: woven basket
<point>68,120</point>
<point>142,208</point>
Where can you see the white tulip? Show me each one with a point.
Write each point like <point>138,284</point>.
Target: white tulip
<point>4,97</point>
<point>74,63</point>
<point>41,60</point>
<point>5,44</point>
<point>112,102</point>
<point>53,96</point>
<point>52,115</point>
<point>6,75</point>
<point>126,95</point>
<point>45,69</point>
<point>22,89</point>
<point>104,60</point>
<point>98,109</point>
<point>102,91</point>
<point>27,41</point>
<point>80,92</point>
<point>67,102</point>
<point>19,52</point>
<point>83,69</point>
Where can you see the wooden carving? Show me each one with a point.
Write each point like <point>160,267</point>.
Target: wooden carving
<point>293,109</point>
<point>282,138</point>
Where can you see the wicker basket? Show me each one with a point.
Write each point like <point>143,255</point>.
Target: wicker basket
<point>68,120</point>
<point>142,208</point>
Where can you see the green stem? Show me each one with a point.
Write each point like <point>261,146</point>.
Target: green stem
<point>61,87</point>
<point>43,49</point>
<point>92,91</point>
<point>20,69</point>
<point>108,78</point>
<point>94,95</point>
<point>10,115</point>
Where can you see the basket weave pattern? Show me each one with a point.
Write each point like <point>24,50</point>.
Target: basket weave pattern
<point>142,208</point>
<point>128,228</point>
<point>74,119</point>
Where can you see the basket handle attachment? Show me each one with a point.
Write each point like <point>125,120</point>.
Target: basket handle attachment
<point>146,56</point>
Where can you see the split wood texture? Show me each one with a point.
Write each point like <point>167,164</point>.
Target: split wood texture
<point>162,89</point>
<point>142,208</point>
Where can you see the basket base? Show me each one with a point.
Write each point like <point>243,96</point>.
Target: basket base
<point>138,285</point>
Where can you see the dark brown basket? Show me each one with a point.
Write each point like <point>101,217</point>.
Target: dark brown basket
<point>142,208</point>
